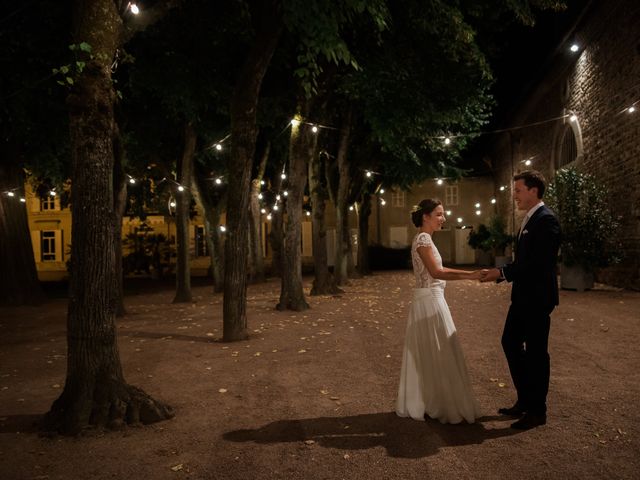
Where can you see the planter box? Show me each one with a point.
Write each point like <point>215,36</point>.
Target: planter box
<point>575,278</point>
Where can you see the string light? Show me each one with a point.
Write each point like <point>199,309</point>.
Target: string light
<point>368,174</point>
<point>574,47</point>
<point>269,217</point>
<point>382,190</point>
<point>218,146</point>
<point>308,213</point>
<point>448,212</point>
<point>223,228</point>
<point>11,194</point>
<point>631,109</point>
<point>23,200</point>
<point>459,219</point>
<point>218,181</point>
<point>478,205</point>
<point>263,211</point>
<point>275,207</point>
<point>573,118</point>
<point>295,122</point>
<point>314,129</point>
<point>285,193</point>
<point>180,188</point>
<point>52,192</point>
<point>278,197</point>
<point>478,212</point>
<point>260,196</point>
<point>351,208</point>
<point>133,8</point>
<point>262,182</point>
<point>172,204</point>
<point>502,188</point>
<point>447,141</point>
<point>493,201</point>
<point>383,202</point>
<point>283,176</point>
<point>439,181</point>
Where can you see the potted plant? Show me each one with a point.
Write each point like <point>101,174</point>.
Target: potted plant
<point>589,230</point>
<point>478,241</point>
<point>492,240</point>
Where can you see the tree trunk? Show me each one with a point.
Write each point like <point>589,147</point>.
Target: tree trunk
<point>120,205</point>
<point>183,206</point>
<point>211,205</point>
<point>244,103</point>
<point>364,211</point>
<point>324,282</point>
<point>276,234</point>
<point>95,392</point>
<point>342,209</point>
<point>301,149</point>
<point>257,265</point>
<point>19,283</point>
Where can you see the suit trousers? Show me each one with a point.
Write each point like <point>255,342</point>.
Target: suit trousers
<point>525,343</point>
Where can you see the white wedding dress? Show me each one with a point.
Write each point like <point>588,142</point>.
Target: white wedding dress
<point>434,378</point>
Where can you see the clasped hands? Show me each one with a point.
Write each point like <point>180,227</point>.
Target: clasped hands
<point>486,275</point>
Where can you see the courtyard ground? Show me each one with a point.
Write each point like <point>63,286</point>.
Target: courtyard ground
<point>311,395</point>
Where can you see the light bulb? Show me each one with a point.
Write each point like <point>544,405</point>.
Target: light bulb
<point>439,181</point>
<point>134,8</point>
<point>22,200</point>
<point>478,212</point>
<point>285,193</point>
<point>218,181</point>
<point>308,213</point>
<point>261,182</point>
<point>459,219</point>
<point>631,109</point>
<point>502,188</point>
<point>269,217</point>
<point>574,48</point>
<point>448,212</point>
<point>447,141</point>
<point>477,205</point>
<point>172,204</point>
<point>382,202</point>
<point>259,196</point>
<point>283,176</point>
<point>351,208</point>
<point>382,190</point>
<point>275,208</point>
<point>295,122</point>
<point>262,210</point>
<point>314,129</point>
<point>277,197</point>
<point>218,147</point>
<point>493,200</point>
<point>573,118</point>
<point>11,194</point>
<point>223,228</point>
<point>368,174</point>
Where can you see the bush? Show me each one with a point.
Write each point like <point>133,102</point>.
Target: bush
<point>493,238</point>
<point>589,230</point>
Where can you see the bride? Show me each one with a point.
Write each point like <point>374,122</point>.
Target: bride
<point>434,379</point>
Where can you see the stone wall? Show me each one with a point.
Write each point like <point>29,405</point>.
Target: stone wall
<point>597,84</point>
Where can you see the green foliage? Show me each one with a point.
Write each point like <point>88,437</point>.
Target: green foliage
<point>493,238</point>
<point>589,230</point>
<point>147,252</point>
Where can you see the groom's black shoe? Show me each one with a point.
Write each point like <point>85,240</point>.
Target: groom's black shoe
<point>529,421</point>
<point>515,411</point>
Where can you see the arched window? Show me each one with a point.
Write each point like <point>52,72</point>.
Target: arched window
<point>568,144</point>
<point>568,148</point>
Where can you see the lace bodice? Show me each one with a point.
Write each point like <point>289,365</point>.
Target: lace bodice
<point>423,279</point>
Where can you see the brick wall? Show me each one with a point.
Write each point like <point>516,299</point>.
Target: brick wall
<point>597,83</point>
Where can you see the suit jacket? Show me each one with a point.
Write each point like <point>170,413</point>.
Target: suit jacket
<point>534,270</point>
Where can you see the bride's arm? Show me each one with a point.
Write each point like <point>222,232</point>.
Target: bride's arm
<point>426,254</point>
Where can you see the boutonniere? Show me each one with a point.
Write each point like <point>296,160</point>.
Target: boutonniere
<point>524,232</point>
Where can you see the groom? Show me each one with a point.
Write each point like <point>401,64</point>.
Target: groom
<point>534,295</point>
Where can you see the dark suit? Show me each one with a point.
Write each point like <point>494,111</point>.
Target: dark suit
<point>534,295</point>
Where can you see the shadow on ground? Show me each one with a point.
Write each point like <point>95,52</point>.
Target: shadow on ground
<point>404,438</point>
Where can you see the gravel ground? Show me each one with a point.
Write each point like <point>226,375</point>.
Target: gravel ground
<point>312,394</point>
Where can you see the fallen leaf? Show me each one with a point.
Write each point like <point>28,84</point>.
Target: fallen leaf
<point>502,385</point>
<point>177,468</point>
<point>223,390</point>
<point>309,442</point>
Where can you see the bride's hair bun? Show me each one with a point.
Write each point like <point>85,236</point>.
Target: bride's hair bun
<point>427,206</point>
